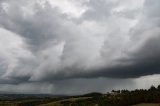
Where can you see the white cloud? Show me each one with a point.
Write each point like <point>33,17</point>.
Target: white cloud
<point>12,48</point>
<point>73,8</point>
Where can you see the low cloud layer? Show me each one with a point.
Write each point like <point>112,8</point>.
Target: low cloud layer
<point>50,42</point>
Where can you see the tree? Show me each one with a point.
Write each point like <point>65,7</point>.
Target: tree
<point>152,88</point>
<point>158,87</point>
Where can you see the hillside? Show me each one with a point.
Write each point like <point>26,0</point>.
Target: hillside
<point>138,97</point>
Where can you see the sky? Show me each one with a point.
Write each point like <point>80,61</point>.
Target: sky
<point>78,46</point>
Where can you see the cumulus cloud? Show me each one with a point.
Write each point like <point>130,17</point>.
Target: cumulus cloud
<point>51,41</point>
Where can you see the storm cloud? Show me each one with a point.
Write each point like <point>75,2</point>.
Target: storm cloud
<point>55,44</point>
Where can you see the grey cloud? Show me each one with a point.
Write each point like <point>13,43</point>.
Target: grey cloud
<point>104,43</point>
<point>98,10</point>
<point>68,87</point>
<point>37,28</point>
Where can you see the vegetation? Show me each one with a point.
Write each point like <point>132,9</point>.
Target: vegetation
<point>115,98</point>
<point>148,104</point>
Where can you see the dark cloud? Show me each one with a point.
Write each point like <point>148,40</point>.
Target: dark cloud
<point>115,39</point>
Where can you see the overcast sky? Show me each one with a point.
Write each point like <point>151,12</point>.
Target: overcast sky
<point>78,46</point>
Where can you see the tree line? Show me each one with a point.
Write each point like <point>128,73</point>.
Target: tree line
<point>119,98</point>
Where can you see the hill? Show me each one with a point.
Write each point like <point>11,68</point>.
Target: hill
<point>114,98</point>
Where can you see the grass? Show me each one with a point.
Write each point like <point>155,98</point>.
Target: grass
<point>147,104</point>
<point>57,103</point>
